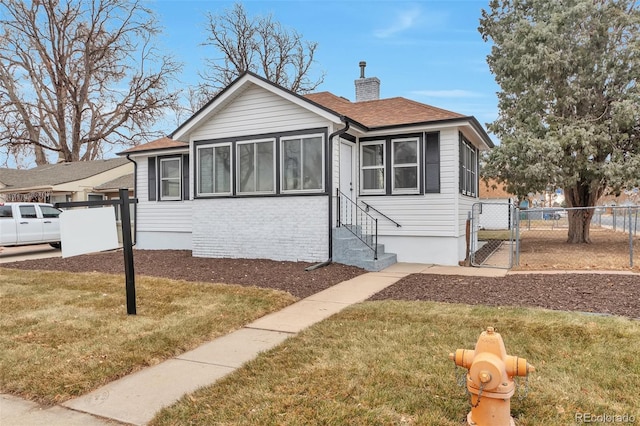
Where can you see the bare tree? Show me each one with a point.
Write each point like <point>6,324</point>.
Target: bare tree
<point>260,45</point>
<point>76,76</point>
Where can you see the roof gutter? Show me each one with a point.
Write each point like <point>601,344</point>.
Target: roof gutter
<point>329,180</point>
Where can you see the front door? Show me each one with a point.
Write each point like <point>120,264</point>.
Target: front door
<point>346,170</point>
<point>29,224</point>
<point>347,182</point>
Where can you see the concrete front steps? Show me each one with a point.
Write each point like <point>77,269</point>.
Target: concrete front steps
<point>350,250</point>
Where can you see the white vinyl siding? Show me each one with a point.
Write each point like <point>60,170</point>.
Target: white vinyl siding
<point>257,111</point>
<point>168,219</point>
<point>430,214</point>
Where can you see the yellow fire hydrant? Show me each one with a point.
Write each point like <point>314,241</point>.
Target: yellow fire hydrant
<point>490,379</point>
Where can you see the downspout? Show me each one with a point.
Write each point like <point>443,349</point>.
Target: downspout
<point>328,171</point>
<point>135,195</point>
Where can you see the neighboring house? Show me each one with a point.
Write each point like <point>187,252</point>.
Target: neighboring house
<point>76,181</point>
<point>256,172</point>
<point>111,190</point>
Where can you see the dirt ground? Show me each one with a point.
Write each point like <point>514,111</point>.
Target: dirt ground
<point>544,249</point>
<point>607,293</point>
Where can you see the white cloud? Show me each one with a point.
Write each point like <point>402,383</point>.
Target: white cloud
<point>454,93</point>
<point>405,20</point>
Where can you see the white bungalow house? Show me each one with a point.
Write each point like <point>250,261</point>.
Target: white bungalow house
<point>261,172</point>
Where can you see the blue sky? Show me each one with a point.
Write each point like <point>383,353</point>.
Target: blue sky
<point>429,51</point>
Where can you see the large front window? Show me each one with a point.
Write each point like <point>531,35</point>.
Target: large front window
<point>270,164</point>
<point>214,169</point>
<point>372,177</point>
<point>170,179</point>
<point>256,167</point>
<point>302,164</point>
<point>405,165</point>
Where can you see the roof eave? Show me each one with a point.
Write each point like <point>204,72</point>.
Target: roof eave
<point>168,149</point>
<point>7,189</point>
<point>478,128</point>
<point>453,121</point>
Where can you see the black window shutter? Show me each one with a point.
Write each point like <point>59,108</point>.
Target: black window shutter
<point>432,163</point>
<point>152,178</point>
<point>185,177</point>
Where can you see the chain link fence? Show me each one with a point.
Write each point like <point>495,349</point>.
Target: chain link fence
<point>543,235</point>
<point>504,236</point>
<point>493,235</point>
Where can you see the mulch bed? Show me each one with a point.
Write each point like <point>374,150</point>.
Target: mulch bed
<point>180,265</point>
<point>597,293</point>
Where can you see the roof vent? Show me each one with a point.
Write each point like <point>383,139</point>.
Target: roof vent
<point>367,89</point>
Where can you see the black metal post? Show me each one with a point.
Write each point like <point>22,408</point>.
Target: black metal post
<point>128,251</point>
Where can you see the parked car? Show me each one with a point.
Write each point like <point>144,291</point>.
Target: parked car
<point>553,214</point>
<point>29,223</point>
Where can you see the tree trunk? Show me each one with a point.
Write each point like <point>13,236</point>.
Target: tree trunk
<point>583,196</point>
<point>41,158</point>
<point>579,224</point>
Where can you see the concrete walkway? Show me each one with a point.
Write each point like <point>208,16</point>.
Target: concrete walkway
<point>135,399</point>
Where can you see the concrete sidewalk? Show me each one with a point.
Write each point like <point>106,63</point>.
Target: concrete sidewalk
<point>135,399</point>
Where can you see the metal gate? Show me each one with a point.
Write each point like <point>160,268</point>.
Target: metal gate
<point>493,235</point>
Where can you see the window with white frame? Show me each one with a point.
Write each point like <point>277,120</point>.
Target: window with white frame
<point>468,168</point>
<point>372,164</point>
<point>214,169</point>
<point>405,167</point>
<point>170,179</point>
<point>255,167</point>
<point>302,163</point>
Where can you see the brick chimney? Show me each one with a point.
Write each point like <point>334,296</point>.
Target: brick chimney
<point>367,89</point>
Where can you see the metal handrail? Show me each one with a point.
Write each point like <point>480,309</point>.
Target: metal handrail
<point>362,224</point>
<point>369,206</point>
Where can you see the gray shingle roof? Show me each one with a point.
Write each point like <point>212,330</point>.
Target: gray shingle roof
<point>56,174</point>
<point>125,181</point>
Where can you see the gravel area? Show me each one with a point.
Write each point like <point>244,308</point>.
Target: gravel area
<point>614,294</point>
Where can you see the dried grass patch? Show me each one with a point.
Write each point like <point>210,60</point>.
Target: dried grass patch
<point>65,334</point>
<point>547,249</point>
<point>386,363</point>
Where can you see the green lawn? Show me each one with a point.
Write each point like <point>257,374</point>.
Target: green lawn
<point>386,363</point>
<point>63,335</point>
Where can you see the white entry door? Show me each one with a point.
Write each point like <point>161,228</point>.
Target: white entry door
<point>347,183</point>
<point>346,170</point>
